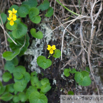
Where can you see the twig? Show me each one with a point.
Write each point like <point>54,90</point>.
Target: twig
<point>2,26</point>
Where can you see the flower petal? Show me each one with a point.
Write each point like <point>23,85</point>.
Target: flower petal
<point>51,51</point>
<point>53,47</point>
<point>11,22</point>
<point>14,18</point>
<point>9,11</point>
<point>9,18</point>
<point>49,47</point>
<point>14,11</point>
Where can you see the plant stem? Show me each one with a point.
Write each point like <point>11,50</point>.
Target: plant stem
<point>67,8</point>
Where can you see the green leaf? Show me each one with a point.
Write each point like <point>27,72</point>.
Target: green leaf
<point>24,41</point>
<point>34,80</point>
<point>30,3</point>
<point>10,88</point>
<point>45,88</point>
<point>36,19</point>
<point>6,96</point>
<point>36,97</point>
<point>9,27</point>
<point>84,73</point>
<point>34,73</point>
<point>78,77</point>
<point>44,81</point>
<point>20,86</point>
<point>26,77</point>
<point>73,70</point>
<point>38,35</point>
<point>86,81</point>
<point>67,72</point>
<point>16,98</point>
<point>18,72</point>
<point>33,15</point>
<point>30,90</point>
<point>38,85</point>
<point>49,13</point>
<point>15,61</point>
<point>20,30</point>
<point>9,66</point>
<point>43,62</point>
<point>2,88</point>
<point>3,17</point>
<point>57,53</point>
<point>70,93</point>
<point>88,69</point>
<point>13,6</point>
<point>44,5</point>
<point>82,78</point>
<point>6,76</point>
<point>22,97</point>
<point>33,12</point>
<point>9,40</point>
<point>8,55</point>
<point>23,10</point>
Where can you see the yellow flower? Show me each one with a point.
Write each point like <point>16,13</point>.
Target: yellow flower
<point>51,49</point>
<point>12,19</point>
<point>13,12</point>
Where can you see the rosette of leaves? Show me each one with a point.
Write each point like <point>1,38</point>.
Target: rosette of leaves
<point>82,78</point>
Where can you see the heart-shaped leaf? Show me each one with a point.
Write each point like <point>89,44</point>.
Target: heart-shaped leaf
<point>30,3</point>
<point>44,5</point>
<point>8,55</point>
<point>23,10</point>
<point>57,53</point>
<point>45,88</point>
<point>34,80</point>
<point>6,96</point>
<point>36,97</point>
<point>9,66</point>
<point>9,27</point>
<point>33,15</point>
<point>49,13</point>
<point>3,17</point>
<point>2,88</point>
<point>6,76</point>
<point>82,78</point>
<point>16,98</point>
<point>30,90</point>
<point>73,70</point>
<point>20,30</point>
<point>44,81</point>
<point>22,97</point>
<point>38,35</point>
<point>15,61</point>
<point>19,72</point>
<point>10,88</point>
<point>86,81</point>
<point>20,86</point>
<point>78,77</point>
<point>67,72</point>
<point>13,6</point>
<point>43,62</point>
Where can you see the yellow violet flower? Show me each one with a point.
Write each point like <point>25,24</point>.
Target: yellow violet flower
<point>13,12</point>
<point>12,19</point>
<point>51,49</point>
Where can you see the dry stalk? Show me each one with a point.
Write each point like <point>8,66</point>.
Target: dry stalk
<point>93,29</point>
<point>2,26</point>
